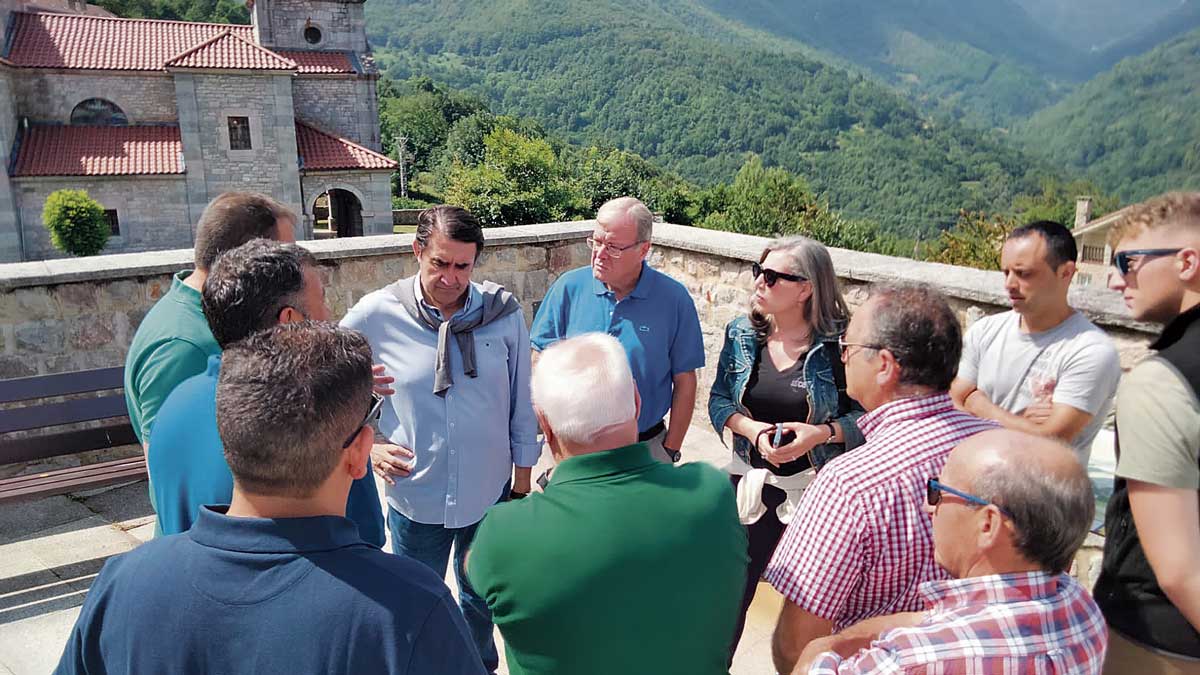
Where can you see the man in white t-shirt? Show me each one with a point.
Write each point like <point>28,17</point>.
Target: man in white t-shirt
<point>1042,368</point>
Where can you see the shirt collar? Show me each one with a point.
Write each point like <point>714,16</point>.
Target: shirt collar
<point>912,408</point>
<point>272,535</point>
<point>188,293</point>
<point>641,290</point>
<point>1177,328</point>
<point>214,366</point>
<point>947,594</point>
<point>601,464</point>
<point>473,298</point>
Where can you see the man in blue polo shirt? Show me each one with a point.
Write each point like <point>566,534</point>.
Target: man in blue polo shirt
<point>651,314</point>
<point>254,286</point>
<point>278,581</point>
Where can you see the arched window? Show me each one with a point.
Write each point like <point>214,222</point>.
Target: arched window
<point>98,111</point>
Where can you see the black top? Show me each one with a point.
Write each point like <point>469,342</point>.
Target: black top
<point>773,395</point>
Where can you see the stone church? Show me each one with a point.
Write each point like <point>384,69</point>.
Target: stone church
<point>155,118</point>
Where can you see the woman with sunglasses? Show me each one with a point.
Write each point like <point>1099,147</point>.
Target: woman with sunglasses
<point>780,388</point>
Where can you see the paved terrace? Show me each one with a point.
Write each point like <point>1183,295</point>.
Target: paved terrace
<point>66,315</point>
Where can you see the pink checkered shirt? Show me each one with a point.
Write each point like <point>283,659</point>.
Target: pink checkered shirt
<point>1031,623</point>
<point>861,541</point>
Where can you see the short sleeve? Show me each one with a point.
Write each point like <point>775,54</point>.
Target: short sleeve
<point>549,324</point>
<point>819,561</point>
<point>687,349</point>
<point>968,365</point>
<point>167,366</point>
<point>1158,427</point>
<point>1088,380</point>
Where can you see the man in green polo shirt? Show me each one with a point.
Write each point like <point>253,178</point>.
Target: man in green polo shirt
<point>173,342</point>
<point>623,564</point>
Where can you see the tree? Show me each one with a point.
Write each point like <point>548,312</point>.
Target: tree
<point>767,201</point>
<point>974,241</point>
<point>76,222</point>
<point>519,181</point>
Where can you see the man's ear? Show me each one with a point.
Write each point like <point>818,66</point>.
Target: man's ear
<point>1066,270</point>
<point>889,368</point>
<point>992,527</point>
<point>355,457</point>
<point>547,432</point>
<point>290,314</point>
<point>416,249</point>
<point>637,402</point>
<point>1189,264</point>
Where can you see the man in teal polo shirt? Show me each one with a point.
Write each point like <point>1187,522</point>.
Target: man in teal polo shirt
<point>584,577</point>
<point>173,341</point>
<point>651,314</point>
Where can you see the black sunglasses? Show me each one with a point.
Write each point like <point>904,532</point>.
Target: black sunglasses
<point>935,488</point>
<point>1122,259</point>
<point>771,276</point>
<point>372,415</point>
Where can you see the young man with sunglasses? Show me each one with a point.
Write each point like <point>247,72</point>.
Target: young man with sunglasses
<point>1043,367</point>
<point>278,581</point>
<point>651,314</point>
<point>250,288</point>
<point>1009,510</point>
<point>1149,585</point>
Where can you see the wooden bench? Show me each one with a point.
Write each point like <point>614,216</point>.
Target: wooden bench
<point>115,431</point>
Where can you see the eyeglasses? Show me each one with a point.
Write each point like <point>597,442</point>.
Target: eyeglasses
<point>845,347</point>
<point>770,276</point>
<point>1122,259</point>
<point>613,250</point>
<point>934,490</point>
<point>372,416</point>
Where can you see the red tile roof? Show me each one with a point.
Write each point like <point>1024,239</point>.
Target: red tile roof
<point>101,43</point>
<point>228,50</point>
<point>320,62</point>
<point>99,151</point>
<point>321,151</point>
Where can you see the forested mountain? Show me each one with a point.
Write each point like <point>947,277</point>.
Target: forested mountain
<point>675,84</point>
<point>1094,24</point>
<point>1134,130</point>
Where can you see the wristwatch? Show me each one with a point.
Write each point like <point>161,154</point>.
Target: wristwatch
<point>832,432</point>
<point>675,455</point>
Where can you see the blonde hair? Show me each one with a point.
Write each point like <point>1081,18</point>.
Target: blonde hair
<point>1179,209</point>
<point>826,310</point>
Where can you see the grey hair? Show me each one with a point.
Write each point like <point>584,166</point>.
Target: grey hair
<point>827,311</point>
<point>916,324</point>
<point>583,385</point>
<point>1051,514</point>
<point>635,209</point>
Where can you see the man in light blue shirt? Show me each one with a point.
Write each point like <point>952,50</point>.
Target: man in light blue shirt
<point>461,418</point>
<point>651,314</point>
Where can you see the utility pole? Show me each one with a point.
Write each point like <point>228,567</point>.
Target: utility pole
<point>402,159</point>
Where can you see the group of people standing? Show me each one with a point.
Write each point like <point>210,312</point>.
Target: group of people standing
<point>916,494</point>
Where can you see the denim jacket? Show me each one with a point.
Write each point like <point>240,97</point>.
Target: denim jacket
<point>738,356</point>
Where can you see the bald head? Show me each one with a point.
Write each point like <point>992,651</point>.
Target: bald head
<point>1041,485</point>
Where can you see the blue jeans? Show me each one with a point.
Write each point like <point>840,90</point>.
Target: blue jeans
<point>430,544</point>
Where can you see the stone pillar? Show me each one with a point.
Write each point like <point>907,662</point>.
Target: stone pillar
<point>289,156</point>
<point>10,228</point>
<point>260,19</point>
<point>193,156</point>
<point>1083,211</point>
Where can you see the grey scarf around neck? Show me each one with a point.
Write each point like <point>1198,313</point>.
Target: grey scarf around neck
<point>497,303</point>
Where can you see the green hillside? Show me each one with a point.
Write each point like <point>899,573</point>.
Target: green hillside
<point>677,84</point>
<point>1134,130</point>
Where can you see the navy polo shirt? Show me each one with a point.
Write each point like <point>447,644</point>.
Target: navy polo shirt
<point>258,595</point>
<point>187,464</point>
<point>656,324</point>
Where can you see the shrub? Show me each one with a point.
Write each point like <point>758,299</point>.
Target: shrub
<point>76,222</point>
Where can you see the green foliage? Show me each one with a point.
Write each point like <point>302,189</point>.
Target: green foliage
<point>974,241</point>
<point>210,11</point>
<point>409,203</point>
<point>670,83</point>
<point>1133,130</point>
<point>520,180</point>
<point>1056,202</point>
<point>76,222</point>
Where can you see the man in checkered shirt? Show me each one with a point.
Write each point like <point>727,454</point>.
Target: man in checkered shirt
<point>1009,511</point>
<point>861,542</point>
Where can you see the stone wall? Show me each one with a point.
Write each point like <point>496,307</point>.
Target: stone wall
<point>10,236</point>
<point>281,24</point>
<point>152,211</point>
<point>48,96</point>
<point>342,105</point>
<point>373,189</point>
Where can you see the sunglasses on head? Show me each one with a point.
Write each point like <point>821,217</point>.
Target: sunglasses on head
<point>770,276</point>
<point>1123,259</point>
